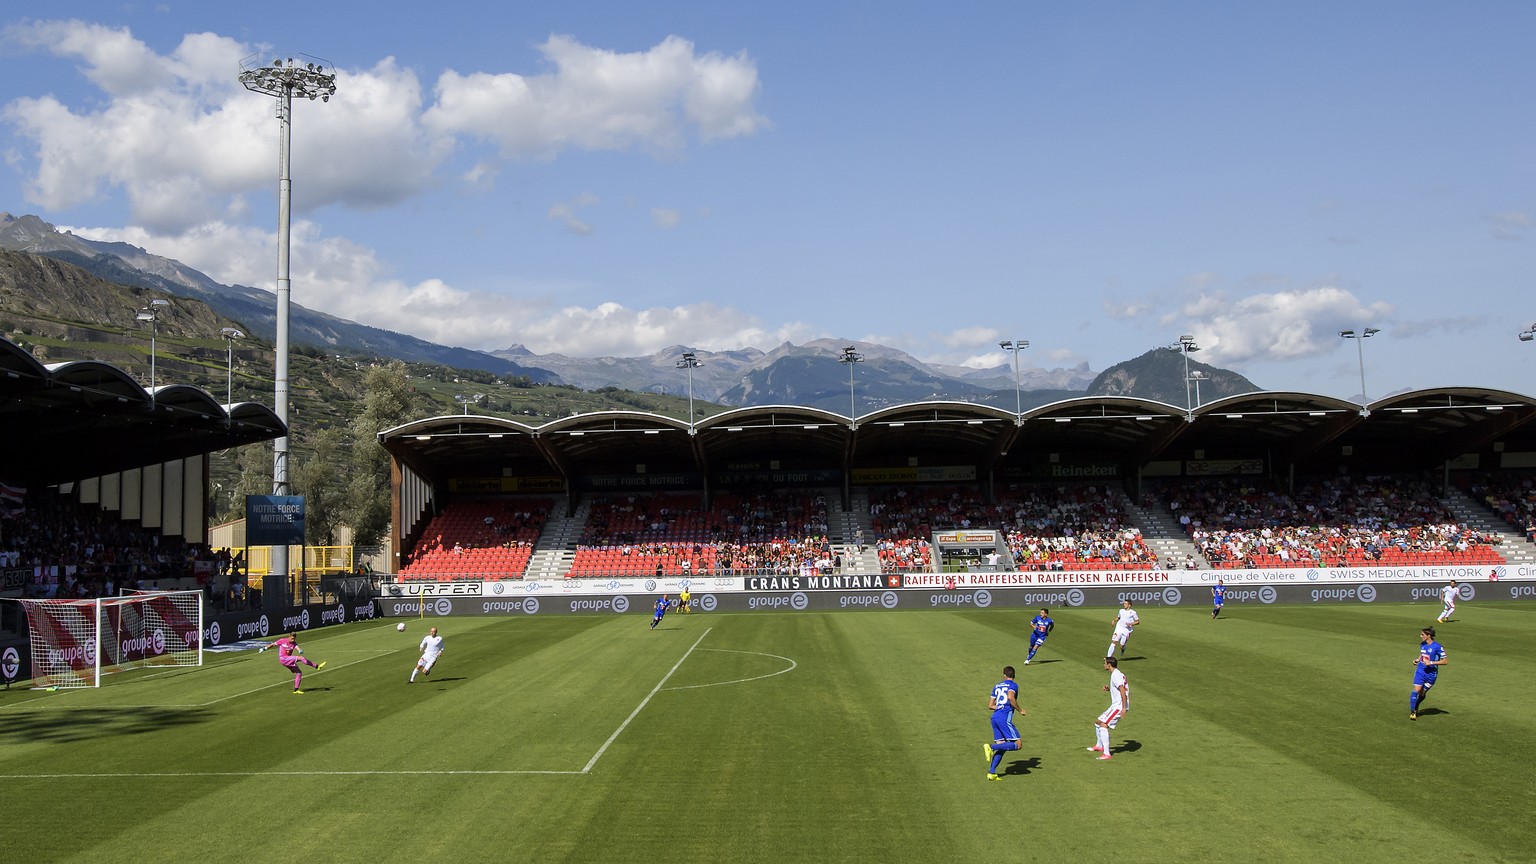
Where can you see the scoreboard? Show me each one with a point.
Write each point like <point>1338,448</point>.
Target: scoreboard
<point>971,550</point>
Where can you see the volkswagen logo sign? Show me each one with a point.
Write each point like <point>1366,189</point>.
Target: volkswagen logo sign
<point>531,605</point>
<point>1075,597</point>
<point>798,601</point>
<point>1267,594</point>
<point>708,603</point>
<point>650,585</point>
<point>497,588</point>
<point>983,599</point>
<point>621,604</point>
<point>889,600</point>
<point>443,607</point>
<point>1367,593</point>
<point>1172,596</point>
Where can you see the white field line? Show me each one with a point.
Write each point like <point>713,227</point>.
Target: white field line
<point>790,668</point>
<point>284,683</point>
<point>136,775</point>
<point>587,769</point>
<point>643,702</point>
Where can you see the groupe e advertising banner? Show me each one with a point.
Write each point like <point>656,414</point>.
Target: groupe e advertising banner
<point>706,600</point>
<point>818,592</point>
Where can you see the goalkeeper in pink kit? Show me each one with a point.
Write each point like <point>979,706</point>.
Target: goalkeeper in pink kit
<point>291,655</point>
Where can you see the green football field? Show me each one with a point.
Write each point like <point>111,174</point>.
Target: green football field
<point>1279,733</point>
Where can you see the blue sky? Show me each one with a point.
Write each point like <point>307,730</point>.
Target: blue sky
<point>611,178</point>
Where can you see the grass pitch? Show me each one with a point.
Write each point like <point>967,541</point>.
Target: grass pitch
<point>1278,733</point>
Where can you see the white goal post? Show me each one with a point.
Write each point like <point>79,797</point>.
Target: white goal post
<point>76,642</point>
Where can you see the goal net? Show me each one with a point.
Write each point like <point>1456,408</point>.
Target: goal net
<point>76,642</point>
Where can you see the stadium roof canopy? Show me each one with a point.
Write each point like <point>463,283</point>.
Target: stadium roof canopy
<point>70,421</point>
<point>1412,431</point>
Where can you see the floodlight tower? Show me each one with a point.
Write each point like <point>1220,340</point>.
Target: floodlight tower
<point>285,77</point>
<point>1185,345</point>
<point>151,313</point>
<point>1016,345</point>
<point>851,356</point>
<point>1197,376</point>
<point>1360,337</point>
<point>230,334</point>
<point>690,361</point>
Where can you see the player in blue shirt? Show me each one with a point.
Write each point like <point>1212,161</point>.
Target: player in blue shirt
<point>1041,626</point>
<point>1218,598</point>
<point>1003,703</point>
<point>662,606</point>
<point>1426,670</point>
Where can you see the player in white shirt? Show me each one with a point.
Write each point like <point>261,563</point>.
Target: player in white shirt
<point>431,649</point>
<point>1448,598</point>
<point>1119,704</point>
<point>1125,621</point>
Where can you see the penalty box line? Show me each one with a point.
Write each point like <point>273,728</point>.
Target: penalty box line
<point>643,702</point>
<point>587,769</point>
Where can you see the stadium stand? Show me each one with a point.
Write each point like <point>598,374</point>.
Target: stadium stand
<point>1049,526</point>
<point>479,539</point>
<point>1237,523</point>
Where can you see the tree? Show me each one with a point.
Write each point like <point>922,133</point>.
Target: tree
<point>388,401</point>
<point>321,479</point>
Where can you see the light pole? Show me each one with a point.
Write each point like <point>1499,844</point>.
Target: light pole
<point>308,78</point>
<point>1185,345</point>
<point>466,401</point>
<point>151,313</point>
<point>1197,376</point>
<point>230,334</point>
<point>690,361</point>
<point>1360,336</point>
<point>1016,345</point>
<point>850,356</point>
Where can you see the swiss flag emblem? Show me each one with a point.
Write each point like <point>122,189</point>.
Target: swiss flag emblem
<point>893,581</point>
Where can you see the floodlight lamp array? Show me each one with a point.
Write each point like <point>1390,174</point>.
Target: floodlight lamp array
<point>305,77</point>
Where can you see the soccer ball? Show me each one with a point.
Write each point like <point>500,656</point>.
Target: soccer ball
<point>400,626</point>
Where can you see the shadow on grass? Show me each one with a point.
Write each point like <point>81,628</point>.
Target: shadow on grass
<point>1043,662</point>
<point>444,680</point>
<point>1428,712</point>
<point>1131,745</point>
<point>70,725</point>
<point>1021,767</point>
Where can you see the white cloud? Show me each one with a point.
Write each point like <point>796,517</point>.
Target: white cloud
<point>180,137</point>
<point>1510,224</point>
<point>564,212</point>
<point>351,281</point>
<point>602,100</point>
<point>968,338</point>
<point>1282,325</point>
<point>665,218</point>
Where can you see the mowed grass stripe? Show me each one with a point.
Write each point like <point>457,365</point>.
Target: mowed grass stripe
<point>866,751</point>
<point>1336,705</point>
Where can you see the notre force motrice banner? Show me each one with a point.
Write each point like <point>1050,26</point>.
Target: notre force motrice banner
<point>274,520</point>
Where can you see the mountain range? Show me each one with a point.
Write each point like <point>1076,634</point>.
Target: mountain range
<point>811,374</point>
